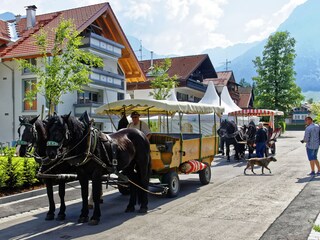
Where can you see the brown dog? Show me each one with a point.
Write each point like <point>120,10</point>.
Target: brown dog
<point>263,162</point>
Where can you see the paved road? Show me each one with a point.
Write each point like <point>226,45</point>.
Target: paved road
<point>280,205</point>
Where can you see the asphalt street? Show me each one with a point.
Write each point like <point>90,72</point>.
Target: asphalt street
<point>280,205</point>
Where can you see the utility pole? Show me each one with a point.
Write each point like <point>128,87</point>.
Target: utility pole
<point>227,63</point>
<point>140,50</point>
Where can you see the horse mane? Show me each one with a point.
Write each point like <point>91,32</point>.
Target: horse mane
<point>41,130</point>
<point>76,127</point>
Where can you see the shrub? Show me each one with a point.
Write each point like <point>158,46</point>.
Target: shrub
<point>30,168</point>
<point>17,172</point>
<point>13,175</point>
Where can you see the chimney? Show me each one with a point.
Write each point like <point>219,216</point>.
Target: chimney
<point>31,16</point>
<point>18,18</point>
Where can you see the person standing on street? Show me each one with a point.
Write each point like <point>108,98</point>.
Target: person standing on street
<point>261,140</point>
<point>311,138</point>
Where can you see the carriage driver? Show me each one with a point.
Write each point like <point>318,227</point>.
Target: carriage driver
<point>138,124</point>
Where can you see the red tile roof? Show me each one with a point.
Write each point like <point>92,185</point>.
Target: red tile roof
<point>25,46</point>
<point>181,66</point>
<point>227,75</point>
<point>82,18</point>
<point>216,81</point>
<point>245,96</point>
<point>4,34</point>
<point>244,100</point>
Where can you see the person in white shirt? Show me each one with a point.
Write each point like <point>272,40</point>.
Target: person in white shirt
<point>138,124</point>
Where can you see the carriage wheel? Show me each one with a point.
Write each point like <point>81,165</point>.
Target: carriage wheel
<point>205,175</point>
<point>124,190</point>
<point>172,180</point>
<point>273,149</point>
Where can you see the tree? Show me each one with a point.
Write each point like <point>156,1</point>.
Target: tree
<point>162,83</point>
<point>65,67</point>
<point>315,110</point>
<point>275,84</point>
<point>244,83</point>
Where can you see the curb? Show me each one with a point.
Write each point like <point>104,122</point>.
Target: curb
<point>33,193</point>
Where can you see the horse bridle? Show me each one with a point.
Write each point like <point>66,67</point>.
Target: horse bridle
<point>62,142</point>
<point>34,132</point>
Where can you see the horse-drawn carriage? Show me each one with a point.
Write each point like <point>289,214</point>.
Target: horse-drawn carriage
<point>273,133</point>
<point>63,142</point>
<point>173,153</point>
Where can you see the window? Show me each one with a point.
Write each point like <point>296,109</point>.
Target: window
<point>27,70</point>
<point>120,96</point>
<point>28,85</point>
<point>182,96</point>
<point>87,97</point>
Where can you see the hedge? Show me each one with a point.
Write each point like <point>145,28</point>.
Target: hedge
<point>16,172</point>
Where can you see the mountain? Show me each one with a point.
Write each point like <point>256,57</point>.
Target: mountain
<point>220,55</point>
<point>7,16</point>
<point>141,52</point>
<point>304,25</point>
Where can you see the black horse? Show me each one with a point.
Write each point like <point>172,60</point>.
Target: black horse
<point>96,154</point>
<point>32,134</point>
<point>230,134</point>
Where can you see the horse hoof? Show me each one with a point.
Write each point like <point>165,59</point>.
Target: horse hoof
<point>49,217</point>
<point>129,209</point>
<point>93,222</point>
<point>90,206</point>
<point>61,217</point>
<point>83,219</point>
<point>143,210</point>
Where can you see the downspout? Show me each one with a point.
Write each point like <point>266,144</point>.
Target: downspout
<point>13,100</point>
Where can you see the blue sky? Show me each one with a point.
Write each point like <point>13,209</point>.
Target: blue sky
<point>183,27</point>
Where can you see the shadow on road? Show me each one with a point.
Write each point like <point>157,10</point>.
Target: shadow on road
<point>112,211</point>
<point>307,179</point>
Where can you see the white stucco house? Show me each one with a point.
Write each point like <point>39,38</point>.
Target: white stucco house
<point>103,36</point>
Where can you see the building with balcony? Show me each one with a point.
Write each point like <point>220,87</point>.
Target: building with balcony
<point>102,36</point>
<point>190,70</point>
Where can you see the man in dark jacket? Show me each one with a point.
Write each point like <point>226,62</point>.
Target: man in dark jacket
<point>261,140</point>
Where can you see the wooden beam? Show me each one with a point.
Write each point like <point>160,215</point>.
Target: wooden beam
<point>134,75</point>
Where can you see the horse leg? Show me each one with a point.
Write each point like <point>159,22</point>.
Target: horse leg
<point>144,183</point>
<point>90,201</point>
<point>133,193</point>
<point>228,152</point>
<point>52,206</point>
<point>250,150</point>
<point>62,192</point>
<point>84,182</point>
<point>96,194</point>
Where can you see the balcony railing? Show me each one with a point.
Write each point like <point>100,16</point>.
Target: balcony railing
<point>101,44</point>
<point>196,85</point>
<point>107,79</point>
<point>80,108</point>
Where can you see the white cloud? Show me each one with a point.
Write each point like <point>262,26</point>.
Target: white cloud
<point>254,24</point>
<point>263,28</point>
<point>139,10</point>
<point>285,11</point>
<point>178,26</point>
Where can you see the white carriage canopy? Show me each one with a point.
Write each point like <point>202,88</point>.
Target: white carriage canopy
<point>157,107</point>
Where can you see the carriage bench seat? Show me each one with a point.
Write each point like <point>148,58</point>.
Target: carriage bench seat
<point>163,142</point>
